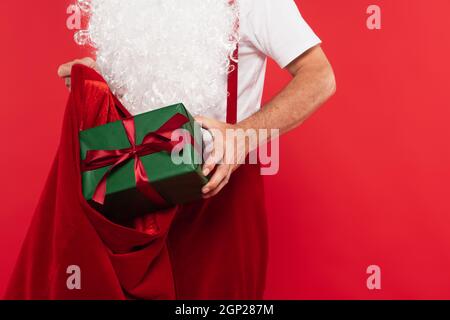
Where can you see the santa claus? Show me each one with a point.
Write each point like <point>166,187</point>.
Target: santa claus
<point>154,53</point>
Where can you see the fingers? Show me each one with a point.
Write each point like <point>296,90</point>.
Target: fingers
<point>223,172</point>
<point>207,122</point>
<point>65,70</point>
<point>216,155</point>
<point>216,191</point>
<point>219,179</point>
<point>209,165</point>
<point>67,82</point>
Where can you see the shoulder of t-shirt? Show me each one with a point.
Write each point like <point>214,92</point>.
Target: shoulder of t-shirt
<point>277,29</point>
<point>253,13</point>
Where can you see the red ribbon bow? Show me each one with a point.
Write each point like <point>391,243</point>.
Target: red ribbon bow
<point>153,142</point>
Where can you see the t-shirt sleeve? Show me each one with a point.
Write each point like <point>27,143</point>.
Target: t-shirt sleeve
<point>279,30</point>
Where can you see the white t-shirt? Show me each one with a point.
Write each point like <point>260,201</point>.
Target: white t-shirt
<point>268,28</point>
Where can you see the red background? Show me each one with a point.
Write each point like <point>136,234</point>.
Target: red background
<point>365,181</point>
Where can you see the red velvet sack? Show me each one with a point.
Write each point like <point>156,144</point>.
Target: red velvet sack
<point>215,249</point>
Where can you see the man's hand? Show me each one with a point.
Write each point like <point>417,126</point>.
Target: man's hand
<point>228,154</point>
<point>313,83</point>
<point>65,69</point>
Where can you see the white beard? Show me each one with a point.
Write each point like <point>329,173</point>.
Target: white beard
<point>155,53</point>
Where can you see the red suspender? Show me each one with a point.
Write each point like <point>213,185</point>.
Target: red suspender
<point>232,98</point>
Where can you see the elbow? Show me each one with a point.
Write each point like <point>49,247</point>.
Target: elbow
<point>329,83</point>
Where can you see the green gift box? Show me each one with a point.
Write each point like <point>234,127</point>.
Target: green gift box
<point>109,160</point>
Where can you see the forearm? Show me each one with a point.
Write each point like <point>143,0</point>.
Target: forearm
<point>312,85</point>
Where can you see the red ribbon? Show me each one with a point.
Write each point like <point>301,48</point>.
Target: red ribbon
<point>153,142</point>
